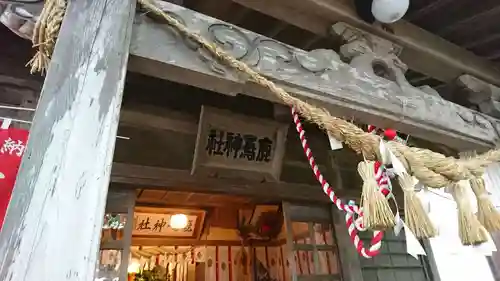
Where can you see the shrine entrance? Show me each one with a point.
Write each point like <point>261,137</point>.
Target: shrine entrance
<point>226,164</point>
<point>181,236</point>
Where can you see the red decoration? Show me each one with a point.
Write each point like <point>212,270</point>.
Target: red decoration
<point>12,146</point>
<point>265,228</point>
<point>350,209</point>
<point>390,134</point>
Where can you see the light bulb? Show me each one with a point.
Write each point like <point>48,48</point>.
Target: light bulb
<point>134,266</point>
<point>178,221</point>
<point>389,11</point>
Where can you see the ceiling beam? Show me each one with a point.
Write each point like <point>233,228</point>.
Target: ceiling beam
<point>494,56</point>
<point>137,176</point>
<point>422,51</point>
<point>468,21</point>
<point>422,11</point>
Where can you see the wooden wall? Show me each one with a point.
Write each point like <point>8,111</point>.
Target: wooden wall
<point>393,263</point>
<point>160,118</point>
<point>222,263</point>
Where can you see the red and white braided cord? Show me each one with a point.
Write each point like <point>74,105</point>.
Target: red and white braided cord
<point>352,225</point>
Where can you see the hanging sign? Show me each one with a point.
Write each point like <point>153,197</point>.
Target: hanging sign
<point>12,146</point>
<point>232,145</point>
<point>158,222</point>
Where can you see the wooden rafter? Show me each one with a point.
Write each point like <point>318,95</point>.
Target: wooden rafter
<point>423,51</point>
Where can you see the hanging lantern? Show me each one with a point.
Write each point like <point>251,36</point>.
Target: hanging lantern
<point>134,266</point>
<point>389,11</point>
<point>178,221</point>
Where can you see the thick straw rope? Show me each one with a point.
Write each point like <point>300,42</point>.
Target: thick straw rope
<point>431,168</point>
<point>470,230</point>
<point>377,212</point>
<point>45,34</point>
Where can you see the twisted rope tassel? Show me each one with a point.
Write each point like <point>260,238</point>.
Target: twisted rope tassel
<point>415,216</point>
<point>377,212</point>
<point>470,230</point>
<point>486,213</point>
<point>45,34</point>
<point>350,209</point>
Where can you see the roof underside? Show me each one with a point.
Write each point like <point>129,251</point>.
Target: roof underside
<point>467,23</point>
<point>471,24</point>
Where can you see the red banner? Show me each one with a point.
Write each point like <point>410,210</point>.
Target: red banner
<point>12,145</point>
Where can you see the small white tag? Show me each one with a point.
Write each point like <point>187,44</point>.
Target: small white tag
<point>413,247</point>
<point>397,166</point>
<point>335,144</point>
<point>399,224</point>
<point>389,157</point>
<point>384,153</point>
<point>423,194</point>
<point>6,123</point>
<point>418,185</point>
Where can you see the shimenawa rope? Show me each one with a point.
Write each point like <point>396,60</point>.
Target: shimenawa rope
<point>45,34</point>
<point>377,174</point>
<point>431,168</point>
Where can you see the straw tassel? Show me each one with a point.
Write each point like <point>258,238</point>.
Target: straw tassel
<point>377,214</point>
<point>486,212</point>
<point>415,216</point>
<point>470,230</point>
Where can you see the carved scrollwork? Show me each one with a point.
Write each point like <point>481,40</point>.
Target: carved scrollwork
<point>231,39</point>
<point>319,60</point>
<point>271,55</point>
<point>318,74</point>
<point>482,121</point>
<point>20,16</point>
<point>268,55</point>
<point>485,96</point>
<point>261,53</point>
<point>474,118</point>
<point>466,115</point>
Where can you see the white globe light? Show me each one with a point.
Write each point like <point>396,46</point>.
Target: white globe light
<point>389,11</point>
<point>178,221</point>
<point>134,266</point>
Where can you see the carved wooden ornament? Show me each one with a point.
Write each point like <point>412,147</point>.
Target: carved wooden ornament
<point>229,145</point>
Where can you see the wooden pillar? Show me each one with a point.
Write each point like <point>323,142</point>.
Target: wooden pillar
<point>54,220</point>
<point>349,258</point>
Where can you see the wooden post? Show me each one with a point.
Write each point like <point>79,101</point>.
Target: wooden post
<point>349,259</point>
<point>54,220</point>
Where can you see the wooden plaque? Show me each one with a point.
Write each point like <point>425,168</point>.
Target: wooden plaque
<point>155,222</point>
<point>230,145</point>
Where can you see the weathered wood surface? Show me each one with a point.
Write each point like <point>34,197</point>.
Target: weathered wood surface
<point>53,224</point>
<point>318,76</point>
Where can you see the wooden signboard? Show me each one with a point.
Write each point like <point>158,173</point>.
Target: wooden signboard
<point>229,145</point>
<point>155,222</point>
